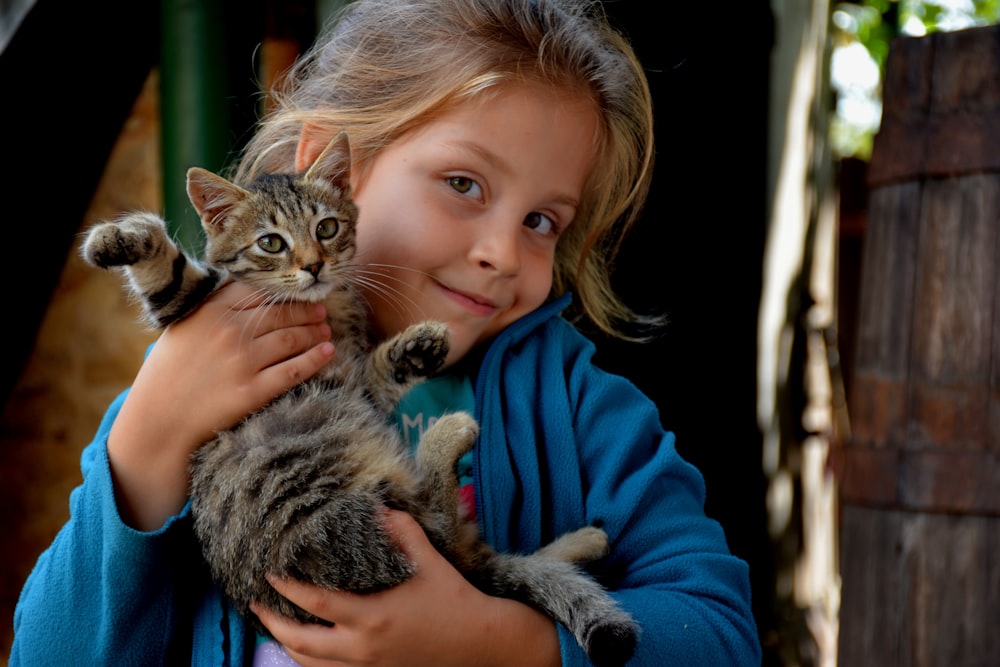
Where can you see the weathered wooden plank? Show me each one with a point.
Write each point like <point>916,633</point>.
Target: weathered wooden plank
<point>885,316</point>
<point>952,617</point>
<point>919,590</point>
<point>871,612</point>
<point>953,315</point>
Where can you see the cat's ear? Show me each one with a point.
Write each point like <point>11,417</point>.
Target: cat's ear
<point>212,196</point>
<point>334,164</point>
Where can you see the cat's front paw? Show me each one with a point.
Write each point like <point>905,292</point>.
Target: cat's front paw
<point>124,242</point>
<point>420,350</point>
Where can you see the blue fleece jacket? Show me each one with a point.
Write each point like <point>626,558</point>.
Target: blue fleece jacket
<point>562,445</point>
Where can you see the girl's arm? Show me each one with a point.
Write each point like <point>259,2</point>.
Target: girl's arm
<point>669,564</point>
<point>673,569</point>
<point>103,593</point>
<point>205,373</point>
<point>120,582</point>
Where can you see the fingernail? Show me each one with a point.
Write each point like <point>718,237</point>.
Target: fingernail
<point>327,348</point>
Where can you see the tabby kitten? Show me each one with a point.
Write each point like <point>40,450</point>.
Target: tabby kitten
<point>296,488</point>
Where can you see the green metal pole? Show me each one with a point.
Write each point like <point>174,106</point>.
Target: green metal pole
<point>194,112</point>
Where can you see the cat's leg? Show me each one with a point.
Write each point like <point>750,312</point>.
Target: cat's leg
<point>168,283</point>
<point>133,238</point>
<point>547,580</point>
<point>440,448</point>
<point>580,546</point>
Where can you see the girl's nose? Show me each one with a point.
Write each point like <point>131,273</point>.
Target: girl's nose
<point>496,247</point>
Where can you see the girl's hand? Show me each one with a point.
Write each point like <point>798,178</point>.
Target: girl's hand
<point>204,374</point>
<point>436,618</point>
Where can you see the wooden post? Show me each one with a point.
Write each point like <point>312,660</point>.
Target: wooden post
<point>920,482</point>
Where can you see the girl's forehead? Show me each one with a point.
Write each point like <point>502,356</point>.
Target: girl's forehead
<point>542,139</point>
<point>563,95</point>
<point>515,109</point>
<point>494,119</point>
<point>520,98</point>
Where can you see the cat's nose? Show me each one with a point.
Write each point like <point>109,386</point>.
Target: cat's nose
<point>314,269</point>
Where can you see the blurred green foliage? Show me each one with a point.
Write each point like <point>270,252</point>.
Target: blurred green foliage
<point>874,24</point>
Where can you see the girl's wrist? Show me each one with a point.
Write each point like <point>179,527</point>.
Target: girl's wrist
<point>523,636</point>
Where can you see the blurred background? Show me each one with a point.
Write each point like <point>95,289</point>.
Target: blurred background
<point>822,232</point>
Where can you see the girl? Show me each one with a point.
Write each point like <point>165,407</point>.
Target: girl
<point>502,147</point>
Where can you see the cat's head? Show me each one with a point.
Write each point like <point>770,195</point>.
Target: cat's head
<point>291,235</point>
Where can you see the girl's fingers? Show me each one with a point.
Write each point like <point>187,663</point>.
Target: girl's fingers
<point>281,345</point>
<point>238,296</point>
<point>299,640</point>
<point>332,606</point>
<point>285,374</point>
<point>343,606</point>
<point>266,319</point>
<point>247,309</point>
<point>408,534</point>
<point>283,341</point>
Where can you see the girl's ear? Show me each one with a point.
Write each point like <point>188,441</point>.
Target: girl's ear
<point>334,164</point>
<point>312,141</point>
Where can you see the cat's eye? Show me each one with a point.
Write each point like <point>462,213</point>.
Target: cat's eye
<point>327,228</point>
<point>464,185</point>
<point>271,243</point>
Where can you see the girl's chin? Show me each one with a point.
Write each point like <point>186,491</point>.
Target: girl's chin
<point>461,343</point>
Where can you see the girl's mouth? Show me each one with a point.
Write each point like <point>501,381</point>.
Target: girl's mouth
<point>477,305</point>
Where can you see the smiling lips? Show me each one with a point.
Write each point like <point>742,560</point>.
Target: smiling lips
<point>474,304</point>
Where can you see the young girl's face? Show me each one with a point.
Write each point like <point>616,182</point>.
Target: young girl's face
<point>462,215</point>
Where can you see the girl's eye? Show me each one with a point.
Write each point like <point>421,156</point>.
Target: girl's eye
<point>271,243</point>
<point>464,186</point>
<point>541,224</point>
<point>327,228</point>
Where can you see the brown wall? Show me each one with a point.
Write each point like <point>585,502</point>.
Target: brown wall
<point>88,349</point>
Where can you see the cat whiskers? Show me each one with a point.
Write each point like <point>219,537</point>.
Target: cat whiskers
<point>256,311</point>
<point>374,276</point>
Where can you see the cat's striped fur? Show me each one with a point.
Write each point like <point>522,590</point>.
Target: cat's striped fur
<point>296,489</point>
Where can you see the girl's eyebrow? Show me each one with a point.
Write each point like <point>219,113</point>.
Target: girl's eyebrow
<point>504,166</point>
<point>484,154</point>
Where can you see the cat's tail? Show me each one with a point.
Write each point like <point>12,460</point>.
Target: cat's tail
<point>560,589</point>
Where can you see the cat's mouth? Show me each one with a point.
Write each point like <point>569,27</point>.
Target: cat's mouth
<point>315,292</point>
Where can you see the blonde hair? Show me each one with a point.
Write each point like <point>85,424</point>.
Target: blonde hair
<point>386,67</point>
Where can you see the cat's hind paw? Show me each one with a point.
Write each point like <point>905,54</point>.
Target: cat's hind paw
<point>580,546</point>
<point>444,443</point>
